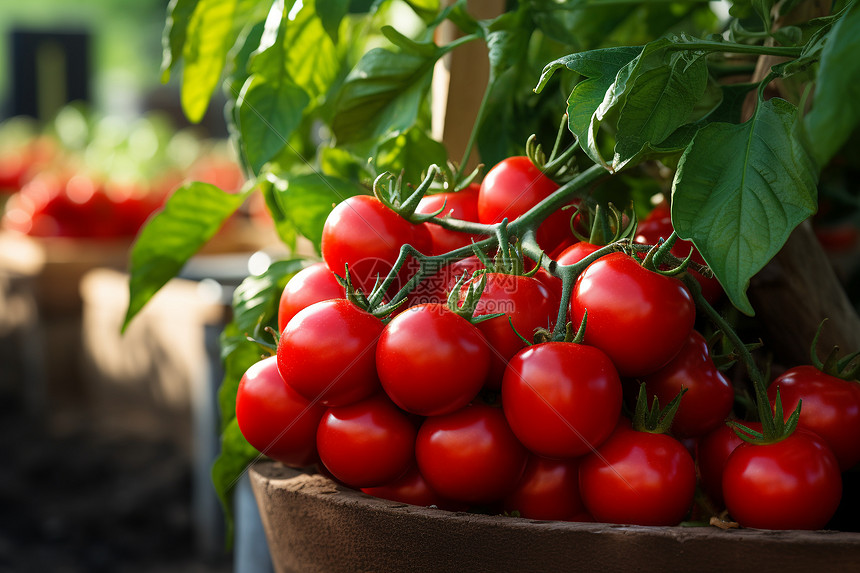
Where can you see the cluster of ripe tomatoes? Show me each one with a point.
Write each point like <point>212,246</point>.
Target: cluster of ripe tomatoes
<point>451,400</point>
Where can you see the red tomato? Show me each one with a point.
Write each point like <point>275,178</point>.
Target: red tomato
<point>658,225</point>
<point>641,319</point>
<point>368,235</point>
<point>549,489</point>
<point>712,451</point>
<point>368,443</point>
<point>315,283</point>
<point>470,455</point>
<point>638,478</point>
<point>529,305</point>
<point>709,397</point>
<point>461,205</point>
<point>791,484</point>
<point>412,488</point>
<point>276,419</point>
<point>576,252</point>
<point>562,400</point>
<point>328,352</point>
<point>512,187</point>
<point>831,408</point>
<point>431,361</point>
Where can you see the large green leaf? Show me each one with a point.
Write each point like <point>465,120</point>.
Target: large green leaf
<point>311,58</point>
<point>269,111</point>
<point>191,216</point>
<point>331,13</point>
<point>835,113</point>
<point>175,30</point>
<point>382,94</point>
<point>739,192</point>
<point>507,40</point>
<point>306,200</point>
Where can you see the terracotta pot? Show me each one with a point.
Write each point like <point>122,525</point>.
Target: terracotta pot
<point>315,525</point>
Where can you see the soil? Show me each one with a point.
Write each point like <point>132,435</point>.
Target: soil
<point>76,498</point>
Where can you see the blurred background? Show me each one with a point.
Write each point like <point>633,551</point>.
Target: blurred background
<point>107,439</point>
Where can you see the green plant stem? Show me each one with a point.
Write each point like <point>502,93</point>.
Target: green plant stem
<point>734,48</point>
<point>473,135</point>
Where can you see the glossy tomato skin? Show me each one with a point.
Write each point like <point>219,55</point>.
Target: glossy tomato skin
<point>640,318</point>
<point>462,205</point>
<point>658,225</point>
<point>549,489</point>
<point>368,443</point>
<point>276,419</point>
<point>512,187</point>
<point>561,399</point>
<point>364,233</point>
<point>576,252</point>
<point>314,283</point>
<point>431,361</point>
<point>328,352</point>
<point>831,408</point>
<point>470,455</point>
<point>638,478</point>
<point>712,451</point>
<point>791,484</point>
<point>709,397</point>
<point>529,305</point>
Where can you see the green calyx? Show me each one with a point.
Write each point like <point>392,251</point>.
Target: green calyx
<point>660,254</point>
<point>362,301</point>
<point>389,190</point>
<point>466,306</point>
<point>775,430</point>
<point>604,224</point>
<point>560,166</point>
<point>654,419</point>
<point>845,368</point>
<point>509,258</point>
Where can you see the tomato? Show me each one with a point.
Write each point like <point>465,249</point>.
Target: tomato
<point>276,419</point>
<point>712,451</point>
<point>638,478</point>
<point>831,408</point>
<point>470,455</point>
<point>431,361</point>
<point>549,489</point>
<point>328,352</point>
<point>461,205</point>
<point>658,225</point>
<point>640,318</point>
<point>576,252</point>
<point>709,397</point>
<point>315,283</point>
<point>526,303</point>
<point>561,399</point>
<point>367,443</point>
<point>412,488</point>
<point>512,187</point>
<point>364,233</point>
<point>791,484</point>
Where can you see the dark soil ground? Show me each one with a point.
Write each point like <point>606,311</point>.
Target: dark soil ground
<point>77,499</point>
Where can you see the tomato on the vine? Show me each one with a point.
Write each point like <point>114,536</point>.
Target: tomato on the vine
<point>431,361</point>
<point>364,233</point>
<point>709,396</point>
<point>831,408</point>
<point>328,352</point>
<point>276,419</point>
<point>638,317</point>
<point>367,443</point>
<point>462,205</point>
<point>512,187</point>
<point>470,455</point>
<point>640,478</point>
<point>314,283</point>
<point>790,484</point>
<point>561,399</point>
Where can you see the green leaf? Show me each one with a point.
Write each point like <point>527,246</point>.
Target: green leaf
<point>739,192</point>
<point>283,224</point>
<point>341,163</point>
<point>331,13</point>
<point>425,9</point>
<point>412,152</point>
<point>659,101</point>
<point>175,29</point>
<point>423,49</point>
<point>307,200</point>
<point>311,58</point>
<point>835,113</point>
<point>237,355</point>
<point>382,94</point>
<point>232,462</point>
<point>255,301</point>
<point>507,40</point>
<point>191,216</point>
<point>268,114</point>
